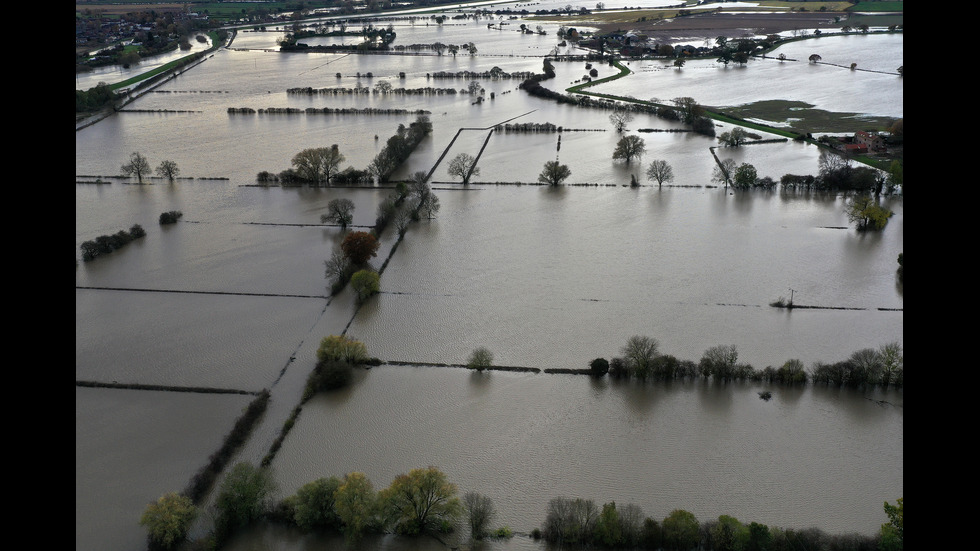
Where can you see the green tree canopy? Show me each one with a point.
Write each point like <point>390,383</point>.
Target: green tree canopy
<point>244,496</point>
<point>313,504</point>
<point>421,501</point>
<point>342,349</point>
<point>356,504</point>
<point>168,519</point>
<point>365,283</point>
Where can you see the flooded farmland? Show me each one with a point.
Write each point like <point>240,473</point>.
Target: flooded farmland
<point>234,296</point>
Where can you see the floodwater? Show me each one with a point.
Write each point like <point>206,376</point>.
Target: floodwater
<point>234,297</point>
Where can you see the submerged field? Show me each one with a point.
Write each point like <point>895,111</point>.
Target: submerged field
<point>234,295</point>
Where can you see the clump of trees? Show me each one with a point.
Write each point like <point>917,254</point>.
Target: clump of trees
<point>94,98</point>
<point>105,244</point>
<point>170,217</point>
<point>318,164</point>
<point>399,147</point>
<point>336,357</point>
<point>417,502</point>
<point>641,359</point>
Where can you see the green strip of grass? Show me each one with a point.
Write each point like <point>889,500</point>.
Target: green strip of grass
<point>166,67</point>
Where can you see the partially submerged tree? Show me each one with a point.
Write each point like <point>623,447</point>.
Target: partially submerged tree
<point>137,166</point>
<point>620,118</point>
<point>554,173</point>
<point>734,138</point>
<point>865,212</point>
<point>628,148</point>
<point>339,211</point>
<point>168,519</point>
<point>421,501</point>
<point>745,176</point>
<point>638,355</point>
<point>317,164</point>
<point>463,166</point>
<point>365,283</point>
<point>481,512</point>
<point>168,169</point>
<point>356,504</point>
<point>359,247</point>
<point>341,348</point>
<point>661,171</point>
<point>724,172</point>
<point>313,504</point>
<point>480,359</point>
<point>244,496</point>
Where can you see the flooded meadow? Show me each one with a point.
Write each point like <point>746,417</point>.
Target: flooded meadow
<point>234,296</point>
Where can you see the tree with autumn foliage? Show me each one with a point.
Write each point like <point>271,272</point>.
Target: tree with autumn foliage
<point>421,501</point>
<point>360,247</point>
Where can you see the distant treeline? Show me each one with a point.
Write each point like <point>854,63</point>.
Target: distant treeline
<point>324,111</point>
<point>493,74</point>
<point>105,244</point>
<point>536,127</point>
<point>94,98</point>
<point>642,360</point>
<point>580,522</point>
<point>365,90</point>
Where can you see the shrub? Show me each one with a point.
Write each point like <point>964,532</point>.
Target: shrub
<point>328,375</point>
<point>480,359</point>
<point>313,504</point>
<point>170,217</point>
<point>243,498</point>
<point>365,283</point>
<point>599,367</point>
<point>340,348</point>
<point>168,519</point>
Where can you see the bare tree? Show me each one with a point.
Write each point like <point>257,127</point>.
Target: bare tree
<point>137,166</point>
<point>339,211</point>
<point>661,171</point>
<point>481,512</point>
<point>620,118</point>
<point>464,166</point>
<point>168,169</point>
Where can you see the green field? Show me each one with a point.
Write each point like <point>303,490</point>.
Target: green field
<point>878,6</point>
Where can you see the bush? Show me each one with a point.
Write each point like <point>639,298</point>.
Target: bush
<point>167,520</point>
<point>365,283</point>
<point>328,375</point>
<point>599,367</point>
<point>340,348</point>
<point>170,217</point>
<point>313,504</point>
<point>480,359</point>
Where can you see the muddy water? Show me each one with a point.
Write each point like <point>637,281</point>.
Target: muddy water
<point>544,278</point>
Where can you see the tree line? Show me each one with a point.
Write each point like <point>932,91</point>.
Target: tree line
<point>641,359</point>
<point>424,501</point>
